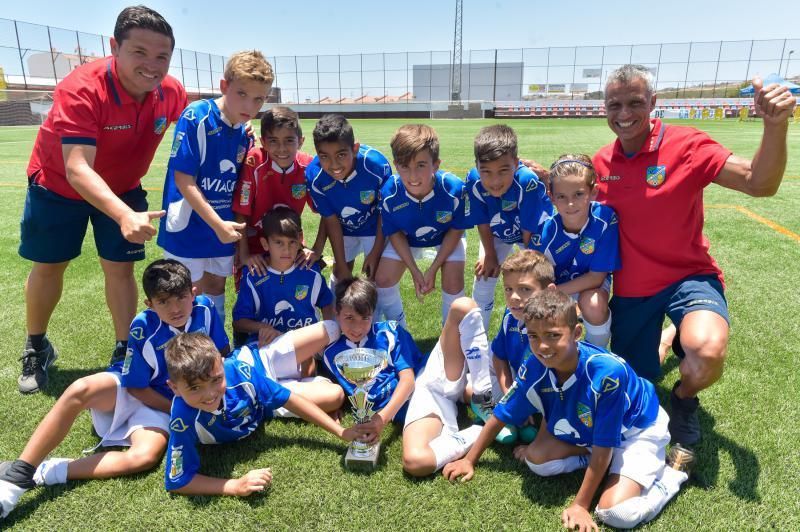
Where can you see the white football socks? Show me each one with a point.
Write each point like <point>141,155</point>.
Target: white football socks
<point>475,347</point>
<point>598,334</point>
<point>646,506</point>
<point>560,466</point>
<point>483,294</point>
<point>450,446</point>
<point>52,471</point>
<point>390,305</point>
<point>447,302</point>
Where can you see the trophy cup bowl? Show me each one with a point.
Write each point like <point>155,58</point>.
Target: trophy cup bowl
<point>359,367</point>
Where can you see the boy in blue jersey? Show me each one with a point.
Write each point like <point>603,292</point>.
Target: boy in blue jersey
<point>582,242</point>
<point>129,402</point>
<point>422,207</point>
<point>209,147</point>
<point>524,273</point>
<point>598,414</point>
<point>507,203</point>
<point>430,435</point>
<point>286,296</point>
<point>355,305</point>
<point>344,181</point>
<point>219,401</point>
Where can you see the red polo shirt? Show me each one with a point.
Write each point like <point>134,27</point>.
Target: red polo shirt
<point>263,185</point>
<point>90,107</point>
<point>658,196</point>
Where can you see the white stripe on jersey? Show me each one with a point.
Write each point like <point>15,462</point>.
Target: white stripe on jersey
<point>316,288</point>
<point>149,352</point>
<point>201,137</point>
<point>364,161</point>
<point>314,183</point>
<point>533,397</point>
<point>254,292</point>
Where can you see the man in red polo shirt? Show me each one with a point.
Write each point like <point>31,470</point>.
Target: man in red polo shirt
<point>653,176</point>
<point>98,141</point>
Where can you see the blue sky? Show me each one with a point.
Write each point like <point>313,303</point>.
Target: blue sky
<point>329,27</point>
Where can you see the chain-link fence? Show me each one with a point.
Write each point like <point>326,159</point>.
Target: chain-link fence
<point>33,56</point>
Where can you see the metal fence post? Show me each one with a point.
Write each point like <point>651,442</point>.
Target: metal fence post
<point>197,72</point>
<point>716,74</point>
<point>296,80</point>
<point>53,59</point>
<point>80,52</point>
<point>339,63</point>
<point>494,77</point>
<point>361,75</point>
<point>430,77</point>
<point>316,62</point>
<point>211,74</point>
<point>686,74</point>
<point>780,63</point>
<point>183,74</point>
<point>749,57</point>
<point>574,66</point>
<point>383,64</point>
<point>19,51</point>
<point>658,65</point>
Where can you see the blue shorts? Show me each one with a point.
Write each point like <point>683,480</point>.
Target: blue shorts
<point>637,321</point>
<point>53,227</point>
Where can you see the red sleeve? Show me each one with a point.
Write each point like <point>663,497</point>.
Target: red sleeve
<point>180,102</point>
<point>77,115</point>
<point>244,193</point>
<point>708,157</point>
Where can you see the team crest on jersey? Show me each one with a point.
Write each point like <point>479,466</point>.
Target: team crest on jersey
<point>240,154</point>
<point>178,425</point>
<point>367,197</point>
<point>444,217</point>
<point>251,160</point>
<point>176,459</point>
<point>300,292</point>
<point>244,196</point>
<point>587,245</point>
<point>656,175</point>
<point>585,415</point>
<point>160,125</point>
<point>609,384</point>
<point>508,205</point>
<point>245,369</point>
<point>299,191</point>
<point>176,143</point>
<point>137,333</point>
<point>509,394</point>
<point>126,366</point>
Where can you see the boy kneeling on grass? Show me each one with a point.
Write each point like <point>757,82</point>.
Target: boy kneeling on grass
<point>221,400</point>
<point>598,414</point>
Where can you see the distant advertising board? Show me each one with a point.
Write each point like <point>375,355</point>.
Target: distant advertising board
<point>592,72</point>
<point>556,88</point>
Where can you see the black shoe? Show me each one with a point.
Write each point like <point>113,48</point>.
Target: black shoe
<point>34,368</point>
<point>684,425</point>
<point>118,356</point>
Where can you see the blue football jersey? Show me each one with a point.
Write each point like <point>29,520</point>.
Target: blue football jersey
<point>355,199</point>
<point>144,364</point>
<point>209,148</point>
<point>386,336</point>
<point>286,300</point>
<point>250,397</point>
<point>524,205</point>
<point>594,249</point>
<point>596,405</point>
<point>425,221</point>
<point>511,343</point>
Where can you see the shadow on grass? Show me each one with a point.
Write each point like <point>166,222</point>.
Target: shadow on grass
<point>59,380</point>
<point>706,473</point>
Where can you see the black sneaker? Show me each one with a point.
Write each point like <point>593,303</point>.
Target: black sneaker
<point>34,368</point>
<point>684,425</point>
<point>118,356</point>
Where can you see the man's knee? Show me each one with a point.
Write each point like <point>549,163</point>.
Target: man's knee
<point>708,345</point>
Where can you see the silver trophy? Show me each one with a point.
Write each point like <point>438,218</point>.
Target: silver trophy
<point>360,366</point>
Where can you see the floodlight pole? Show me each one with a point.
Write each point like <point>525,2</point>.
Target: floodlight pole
<point>455,72</point>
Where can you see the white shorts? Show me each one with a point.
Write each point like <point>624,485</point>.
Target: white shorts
<point>222,266</point>
<point>459,254</point>
<point>355,245</point>
<point>435,394</point>
<point>279,359</point>
<point>291,384</point>
<point>640,457</point>
<point>129,414</point>
<point>605,286</point>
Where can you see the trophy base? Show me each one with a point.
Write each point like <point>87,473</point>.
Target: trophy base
<point>362,461</point>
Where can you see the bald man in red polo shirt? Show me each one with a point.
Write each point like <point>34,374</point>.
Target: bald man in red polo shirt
<point>653,176</point>
<point>98,141</point>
